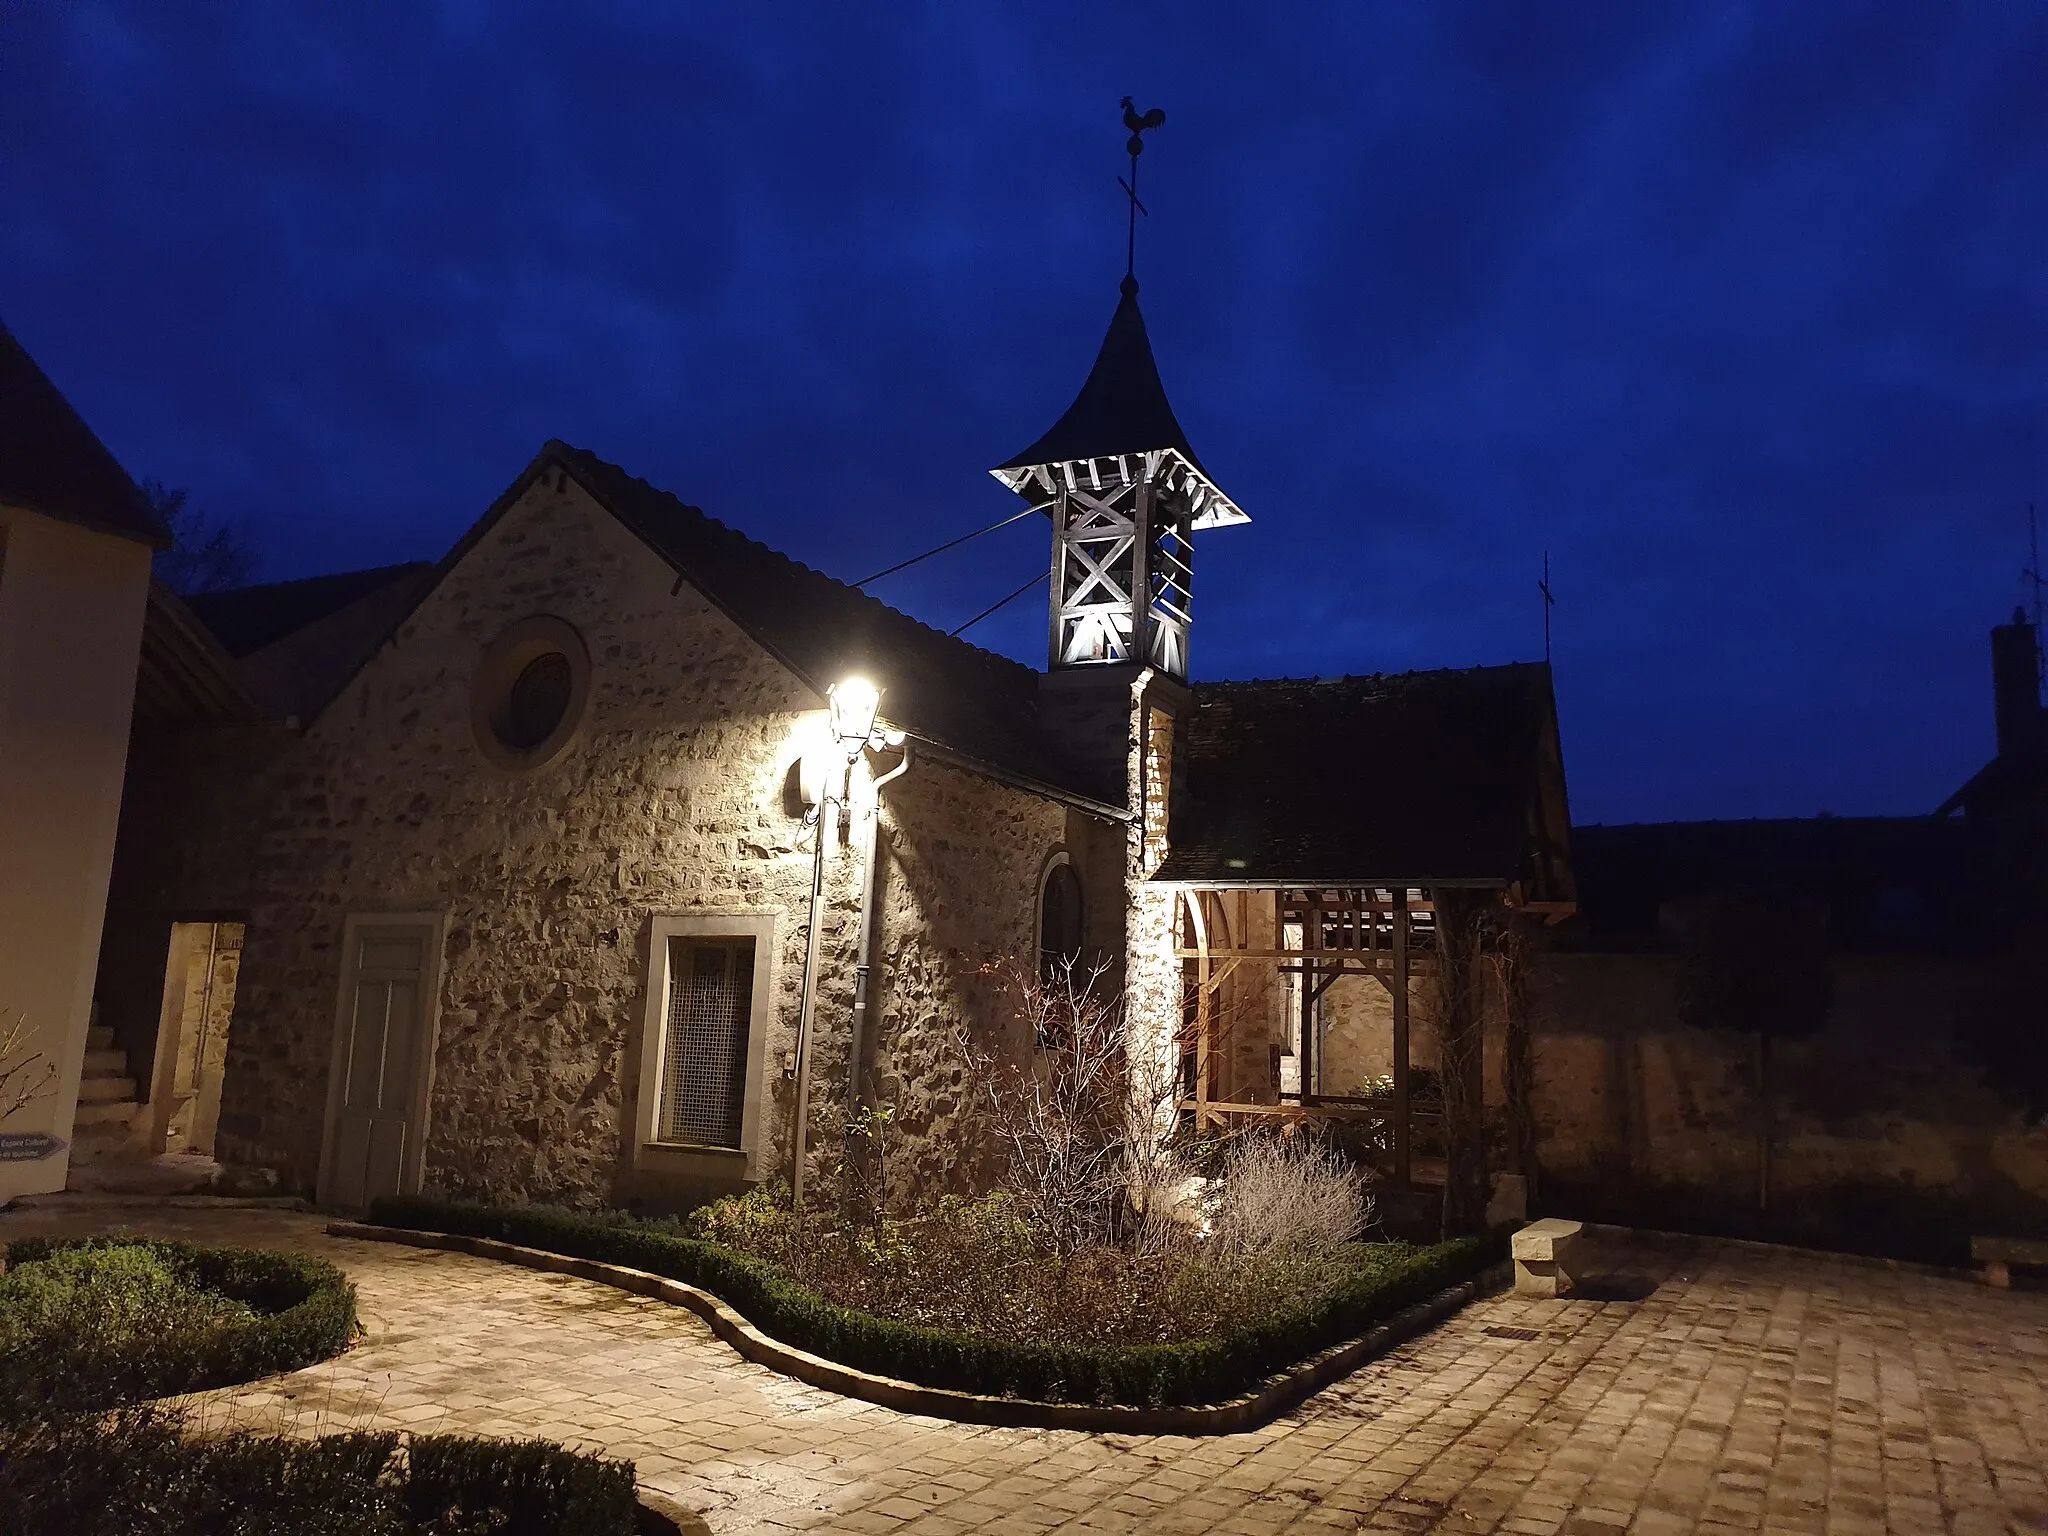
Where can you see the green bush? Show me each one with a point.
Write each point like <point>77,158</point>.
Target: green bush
<point>540,1487</point>
<point>135,1473</point>
<point>110,1298</point>
<point>1193,1371</point>
<point>93,1323</point>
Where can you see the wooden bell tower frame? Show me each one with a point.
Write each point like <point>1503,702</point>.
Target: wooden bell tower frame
<point>1123,552</point>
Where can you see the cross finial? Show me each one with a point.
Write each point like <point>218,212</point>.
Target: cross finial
<point>1137,124</point>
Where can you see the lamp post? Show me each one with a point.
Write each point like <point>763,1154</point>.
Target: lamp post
<point>852,705</point>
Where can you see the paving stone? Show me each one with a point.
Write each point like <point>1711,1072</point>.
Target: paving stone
<point>1753,1389</point>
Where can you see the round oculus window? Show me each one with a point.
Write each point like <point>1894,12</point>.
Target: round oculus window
<point>532,684</point>
<point>537,702</point>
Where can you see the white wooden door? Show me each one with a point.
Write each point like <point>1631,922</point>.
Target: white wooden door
<point>383,1014</point>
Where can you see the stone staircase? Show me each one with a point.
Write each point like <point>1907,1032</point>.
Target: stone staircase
<point>110,1122</point>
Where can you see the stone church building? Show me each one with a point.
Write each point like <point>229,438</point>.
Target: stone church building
<point>494,876</point>
<point>568,866</point>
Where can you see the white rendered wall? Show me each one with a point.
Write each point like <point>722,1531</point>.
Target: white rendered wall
<point>71,606</point>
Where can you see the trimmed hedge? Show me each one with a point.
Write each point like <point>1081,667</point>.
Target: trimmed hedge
<point>136,1474</point>
<point>541,1488</point>
<point>1145,1375</point>
<point>304,1311</point>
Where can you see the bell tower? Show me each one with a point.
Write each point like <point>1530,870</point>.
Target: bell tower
<point>1126,495</point>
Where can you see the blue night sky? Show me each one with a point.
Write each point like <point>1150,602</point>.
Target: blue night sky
<point>1738,310</point>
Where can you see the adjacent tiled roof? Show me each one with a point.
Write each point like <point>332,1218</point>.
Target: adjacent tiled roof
<point>298,641</point>
<point>1422,777</point>
<point>51,462</point>
<point>183,676</point>
<point>1887,883</point>
<point>944,691</point>
<point>2011,781</point>
<point>246,619</point>
<point>1123,406</point>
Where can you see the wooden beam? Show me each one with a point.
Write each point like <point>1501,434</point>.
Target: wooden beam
<point>1372,957</point>
<point>1205,1012</point>
<point>1217,1109</point>
<point>1311,1054</point>
<point>1056,644</point>
<point>1403,1107</point>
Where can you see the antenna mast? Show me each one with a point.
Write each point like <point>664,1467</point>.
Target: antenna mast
<point>2034,579</point>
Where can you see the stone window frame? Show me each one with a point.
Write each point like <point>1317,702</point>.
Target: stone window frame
<point>687,1159</point>
<point>516,646</point>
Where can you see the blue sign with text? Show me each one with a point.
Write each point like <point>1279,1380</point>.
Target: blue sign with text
<point>28,1146</point>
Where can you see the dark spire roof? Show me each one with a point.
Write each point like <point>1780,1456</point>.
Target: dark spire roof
<point>50,461</point>
<point>1123,406</point>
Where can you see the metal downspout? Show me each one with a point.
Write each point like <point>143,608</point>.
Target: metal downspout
<point>870,930</point>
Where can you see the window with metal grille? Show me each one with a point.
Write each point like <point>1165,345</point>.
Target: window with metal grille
<point>704,1058</point>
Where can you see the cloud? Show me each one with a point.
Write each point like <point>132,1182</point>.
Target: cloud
<point>1734,309</point>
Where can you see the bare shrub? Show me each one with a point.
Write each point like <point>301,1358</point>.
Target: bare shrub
<point>22,1081</point>
<point>978,1267</point>
<point>1285,1195</point>
<point>1101,1227</point>
<point>1061,1118</point>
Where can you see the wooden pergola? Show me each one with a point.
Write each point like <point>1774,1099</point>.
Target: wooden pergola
<point>1365,827</point>
<point>1318,934</point>
<point>1370,931</point>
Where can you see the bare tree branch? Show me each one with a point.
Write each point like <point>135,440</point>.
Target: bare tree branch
<point>21,1081</point>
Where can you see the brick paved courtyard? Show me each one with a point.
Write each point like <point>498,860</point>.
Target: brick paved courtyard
<point>1741,1390</point>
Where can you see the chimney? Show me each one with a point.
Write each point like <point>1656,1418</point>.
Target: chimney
<point>2016,687</point>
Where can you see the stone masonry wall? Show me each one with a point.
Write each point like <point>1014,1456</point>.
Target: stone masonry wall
<point>671,799</point>
<point>960,869</point>
<point>1885,1135</point>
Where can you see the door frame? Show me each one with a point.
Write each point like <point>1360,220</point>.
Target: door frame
<point>411,1163</point>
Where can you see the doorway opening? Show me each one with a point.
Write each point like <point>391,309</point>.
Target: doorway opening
<point>192,1036</point>
<point>381,1077</point>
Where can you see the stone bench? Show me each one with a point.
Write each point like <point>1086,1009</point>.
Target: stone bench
<point>1999,1254</point>
<point>1543,1253</point>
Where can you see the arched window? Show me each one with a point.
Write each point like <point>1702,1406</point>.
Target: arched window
<point>1059,918</point>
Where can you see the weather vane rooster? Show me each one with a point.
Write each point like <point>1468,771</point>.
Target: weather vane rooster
<point>1156,118</point>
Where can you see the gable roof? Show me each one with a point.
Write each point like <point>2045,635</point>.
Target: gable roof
<point>297,642</point>
<point>1422,778</point>
<point>944,691</point>
<point>246,619</point>
<point>51,462</point>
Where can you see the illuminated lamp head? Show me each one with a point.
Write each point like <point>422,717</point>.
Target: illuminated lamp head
<point>854,702</point>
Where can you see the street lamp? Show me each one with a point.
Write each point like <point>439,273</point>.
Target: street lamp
<point>852,705</point>
<point>853,702</point>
